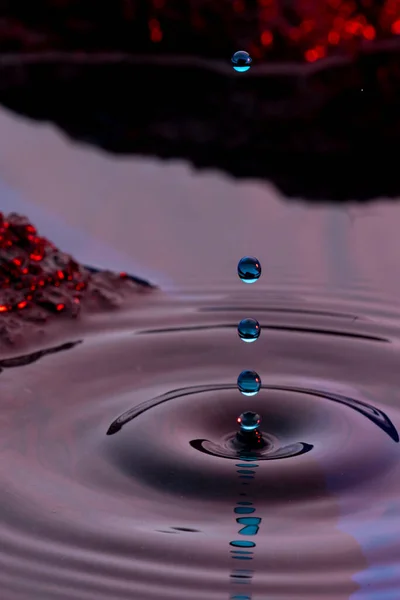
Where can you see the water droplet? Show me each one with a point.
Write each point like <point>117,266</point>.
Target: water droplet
<point>249,330</point>
<point>241,61</point>
<point>249,421</point>
<point>249,269</point>
<point>249,383</point>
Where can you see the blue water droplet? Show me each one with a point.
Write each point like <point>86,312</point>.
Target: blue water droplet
<point>248,421</point>
<point>249,269</point>
<point>249,330</point>
<point>249,383</point>
<point>241,61</point>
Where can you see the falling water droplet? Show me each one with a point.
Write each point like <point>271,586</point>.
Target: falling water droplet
<point>241,61</point>
<point>249,269</point>
<point>249,383</point>
<point>249,330</point>
<point>249,421</point>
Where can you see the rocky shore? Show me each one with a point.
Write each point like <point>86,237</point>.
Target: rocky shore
<point>39,282</point>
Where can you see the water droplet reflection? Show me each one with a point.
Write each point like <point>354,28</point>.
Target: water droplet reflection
<point>242,544</point>
<point>244,510</point>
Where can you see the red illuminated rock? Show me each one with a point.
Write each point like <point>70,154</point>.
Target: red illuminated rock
<point>38,281</point>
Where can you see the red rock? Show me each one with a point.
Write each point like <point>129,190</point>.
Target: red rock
<point>37,280</point>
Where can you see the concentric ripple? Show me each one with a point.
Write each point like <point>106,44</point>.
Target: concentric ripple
<point>123,477</point>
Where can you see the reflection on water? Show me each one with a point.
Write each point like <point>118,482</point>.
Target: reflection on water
<point>313,511</point>
<point>162,220</point>
<point>314,504</point>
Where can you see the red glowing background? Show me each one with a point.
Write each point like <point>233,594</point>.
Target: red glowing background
<point>314,28</point>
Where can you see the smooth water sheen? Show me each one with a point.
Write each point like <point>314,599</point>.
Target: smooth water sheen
<point>122,476</point>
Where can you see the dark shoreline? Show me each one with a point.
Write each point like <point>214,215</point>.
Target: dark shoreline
<point>314,135</point>
<point>155,79</point>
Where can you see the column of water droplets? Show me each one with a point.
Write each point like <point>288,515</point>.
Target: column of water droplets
<point>249,382</point>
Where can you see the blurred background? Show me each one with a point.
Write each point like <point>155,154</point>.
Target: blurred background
<point>124,130</point>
